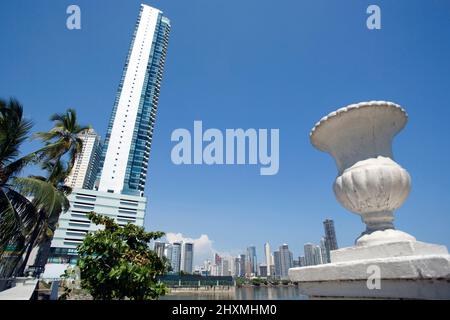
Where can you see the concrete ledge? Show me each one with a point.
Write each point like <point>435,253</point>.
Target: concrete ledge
<point>386,250</point>
<point>390,289</point>
<point>411,267</point>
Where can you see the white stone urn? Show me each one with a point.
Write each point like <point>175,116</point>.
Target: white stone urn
<point>369,183</point>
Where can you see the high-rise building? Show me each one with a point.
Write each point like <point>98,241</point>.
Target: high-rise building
<point>217,259</point>
<point>225,267</point>
<point>187,263</point>
<point>330,237</point>
<point>302,261</point>
<point>236,267</point>
<point>121,181</point>
<point>130,131</point>
<point>323,249</point>
<point>252,261</point>
<point>286,260</point>
<point>263,270</point>
<point>317,255</point>
<point>86,166</point>
<point>175,259</point>
<point>308,249</point>
<point>313,254</point>
<point>277,263</point>
<point>268,256</point>
<point>159,248</point>
<point>242,265</point>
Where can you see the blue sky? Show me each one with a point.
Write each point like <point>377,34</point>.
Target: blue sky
<point>251,64</point>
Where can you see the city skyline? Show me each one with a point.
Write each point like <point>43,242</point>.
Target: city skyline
<point>206,80</point>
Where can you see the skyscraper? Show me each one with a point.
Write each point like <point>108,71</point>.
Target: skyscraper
<point>317,255</point>
<point>308,249</point>
<point>330,237</point>
<point>242,265</point>
<point>130,131</point>
<point>175,259</point>
<point>125,155</point>
<point>323,249</point>
<point>86,166</point>
<point>187,264</point>
<point>159,248</point>
<point>286,260</point>
<point>236,267</point>
<point>225,267</point>
<point>277,263</point>
<point>251,260</point>
<point>313,254</point>
<point>268,257</point>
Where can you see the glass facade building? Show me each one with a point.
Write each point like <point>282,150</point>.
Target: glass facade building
<point>129,135</point>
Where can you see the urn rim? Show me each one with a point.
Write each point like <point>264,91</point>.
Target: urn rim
<point>322,123</point>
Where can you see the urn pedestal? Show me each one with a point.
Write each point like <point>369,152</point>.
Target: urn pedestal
<point>384,262</point>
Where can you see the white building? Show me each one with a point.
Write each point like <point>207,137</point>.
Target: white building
<point>73,225</point>
<point>130,131</point>
<point>269,257</point>
<point>84,171</point>
<point>126,150</point>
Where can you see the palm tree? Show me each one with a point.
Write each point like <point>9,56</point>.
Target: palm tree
<point>30,207</point>
<point>63,139</point>
<point>49,199</point>
<point>17,213</point>
<point>50,193</point>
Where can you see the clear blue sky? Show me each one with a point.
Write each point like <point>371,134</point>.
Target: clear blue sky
<point>251,64</point>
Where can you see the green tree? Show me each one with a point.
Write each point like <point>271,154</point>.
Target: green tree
<point>25,223</point>
<point>17,214</point>
<point>61,141</point>
<point>116,262</point>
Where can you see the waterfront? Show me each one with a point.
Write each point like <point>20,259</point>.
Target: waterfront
<point>243,293</point>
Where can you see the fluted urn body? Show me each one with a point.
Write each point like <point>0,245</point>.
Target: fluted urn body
<point>359,137</point>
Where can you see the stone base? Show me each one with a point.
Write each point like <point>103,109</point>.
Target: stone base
<point>408,269</point>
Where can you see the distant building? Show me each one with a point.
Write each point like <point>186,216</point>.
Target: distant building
<point>317,255</point>
<point>188,257</point>
<point>159,248</point>
<point>242,265</point>
<point>225,267</point>
<point>323,249</point>
<point>272,269</point>
<point>268,256</point>
<point>330,237</point>
<point>175,260</point>
<point>236,265</point>
<point>313,254</point>
<point>263,271</point>
<point>286,260</point>
<point>87,162</point>
<point>302,261</point>
<point>217,259</point>
<point>252,261</point>
<point>309,254</point>
<point>277,263</point>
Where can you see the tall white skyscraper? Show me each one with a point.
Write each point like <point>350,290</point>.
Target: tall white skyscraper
<point>126,151</point>
<point>268,256</point>
<point>129,137</point>
<point>84,171</point>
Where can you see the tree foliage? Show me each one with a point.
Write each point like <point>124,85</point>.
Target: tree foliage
<point>116,262</point>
